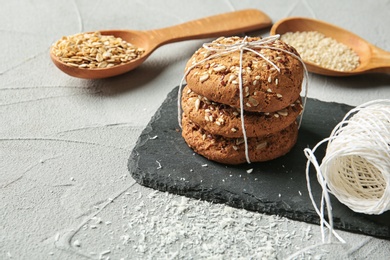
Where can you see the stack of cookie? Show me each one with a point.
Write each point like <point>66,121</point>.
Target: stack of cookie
<point>211,119</point>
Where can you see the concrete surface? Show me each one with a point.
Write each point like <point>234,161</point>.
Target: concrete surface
<point>65,191</point>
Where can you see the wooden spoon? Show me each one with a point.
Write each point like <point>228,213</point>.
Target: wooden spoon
<point>372,58</point>
<point>214,26</point>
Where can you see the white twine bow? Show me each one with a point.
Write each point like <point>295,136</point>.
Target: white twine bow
<point>220,49</point>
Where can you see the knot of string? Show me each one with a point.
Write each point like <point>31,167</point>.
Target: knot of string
<point>220,49</point>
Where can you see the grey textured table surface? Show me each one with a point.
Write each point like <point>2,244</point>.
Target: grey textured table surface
<point>65,191</point>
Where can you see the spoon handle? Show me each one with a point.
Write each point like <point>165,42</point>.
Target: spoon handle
<point>380,60</point>
<point>227,24</point>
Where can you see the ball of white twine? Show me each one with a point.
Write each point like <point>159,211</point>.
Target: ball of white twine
<point>356,166</point>
<point>361,158</point>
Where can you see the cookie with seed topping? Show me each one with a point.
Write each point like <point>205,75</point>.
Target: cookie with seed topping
<point>265,89</point>
<point>232,150</point>
<point>221,119</point>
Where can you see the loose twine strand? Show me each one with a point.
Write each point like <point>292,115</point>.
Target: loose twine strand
<point>356,167</point>
<point>242,46</point>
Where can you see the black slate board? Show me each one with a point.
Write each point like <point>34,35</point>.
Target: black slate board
<point>163,161</point>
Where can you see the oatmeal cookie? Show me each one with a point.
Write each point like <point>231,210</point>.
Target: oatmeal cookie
<point>221,119</point>
<point>264,88</point>
<point>232,150</point>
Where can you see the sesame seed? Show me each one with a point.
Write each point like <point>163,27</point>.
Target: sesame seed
<point>204,77</point>
<point>219,68</point>
<point>197,104</point>
<point>240,141</point>
<point>206,54</point>
<point>283,112</point>
<point>324,51</point>
<point>261,145</point>
<point>253,101</point>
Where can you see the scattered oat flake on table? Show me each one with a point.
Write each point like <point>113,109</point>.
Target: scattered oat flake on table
<point>105,253</point>
<point>208,232</point>
<point>159,165</point>
<point>77,243</point>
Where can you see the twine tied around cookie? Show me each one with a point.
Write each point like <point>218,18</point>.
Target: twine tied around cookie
<point>220,49</point>
<point>356,166</point>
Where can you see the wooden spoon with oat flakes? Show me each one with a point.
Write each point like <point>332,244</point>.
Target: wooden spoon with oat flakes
<point>372,58</point>
<point>227,24</point>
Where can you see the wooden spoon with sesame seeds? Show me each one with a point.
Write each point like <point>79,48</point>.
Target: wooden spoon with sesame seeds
<point>372,58</point>
<point>226,24</point>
